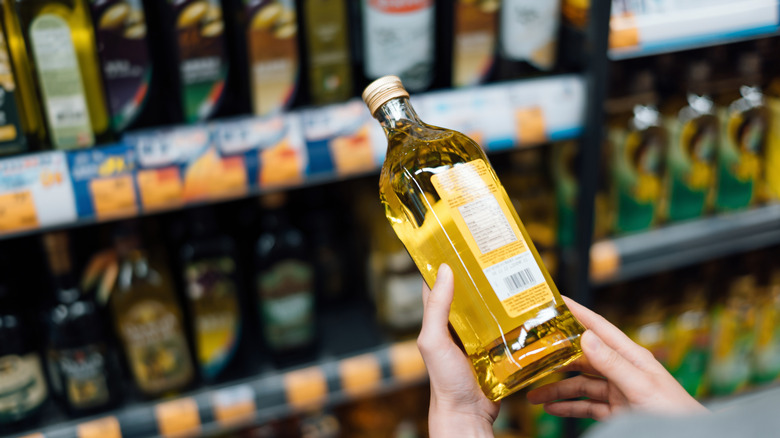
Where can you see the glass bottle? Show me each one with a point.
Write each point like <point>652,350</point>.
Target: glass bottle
<point>328,56</point>
<point>444,201</point>
<point>148,320</point>
<point>528,37</point>
<point>76,348</point>
<point>474,41</point>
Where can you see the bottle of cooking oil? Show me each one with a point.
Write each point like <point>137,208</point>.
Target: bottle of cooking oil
<point>444,201</point>
<point>528,37</point>
<point>61,39</point>
<point>328,57</point>
<point>474,41</point>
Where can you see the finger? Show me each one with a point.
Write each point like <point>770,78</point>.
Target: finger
<point>579,409</point>
<point>610,364</point>
<point>426,291</point>
<point>609,334</point>
<point>437,309</point>
<point>574,387</point>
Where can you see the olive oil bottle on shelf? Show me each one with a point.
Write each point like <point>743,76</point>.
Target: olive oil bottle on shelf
<point>60,38</point>
<point>189,44</point>
<point>80,371</point>
<point>474,41</point>
<point>446,204</point>
<point>688,326</point>
<point>528,37</point>
<point>210,277</point>
<point>148,319</point>
<point>329,62</point>
<point>399,39</point>
<point>123,46</point>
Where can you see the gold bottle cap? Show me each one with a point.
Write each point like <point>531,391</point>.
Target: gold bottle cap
<point>381,90</point>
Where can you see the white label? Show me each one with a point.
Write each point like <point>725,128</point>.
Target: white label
<point>487,224</point>
<point>399,40</point>
<point>69,111</point>
<point>404,301</point>
<point>528,30</point>
<point>514,275</point>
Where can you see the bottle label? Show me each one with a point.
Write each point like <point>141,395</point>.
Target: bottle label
<point>22,386</point>
<point>79,375</point>
<point>273,54</point>
<point>62,88</point>
<point>486,223</point>
<point>330,68</point>
<point>475,40</point>
<point>287,304</point>
<point>732,344</point>
<point>212,292</point>
<point>202,59</point>
<point>12,137</point>
<point>691,166</point>
<point>127,69</point>
<point>529,31</point>
<point>399,40</point>
<point>744,135</point>
<point>155,346</point>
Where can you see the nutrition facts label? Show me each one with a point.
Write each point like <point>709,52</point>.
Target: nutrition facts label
<point>487,224</point>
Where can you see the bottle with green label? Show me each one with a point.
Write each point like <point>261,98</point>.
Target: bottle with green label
<point>744,122</point>
<point>528,37</point>
<point>210,278</point>
<point>284,282</point>
<point>474,41</point>
<point>329,62</point>
<point>766,354</point>
<point>123,46</point>
<point>60,39</point>
<point>190,45</point>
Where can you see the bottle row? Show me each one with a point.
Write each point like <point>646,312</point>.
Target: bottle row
<point>80,72</point>
<point>678,149</point>
<point>715,327</point>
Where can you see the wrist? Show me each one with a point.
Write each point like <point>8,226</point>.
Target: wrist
<point>447,422</point>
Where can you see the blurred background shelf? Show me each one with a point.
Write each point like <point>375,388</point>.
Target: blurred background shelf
<point>684,244</point>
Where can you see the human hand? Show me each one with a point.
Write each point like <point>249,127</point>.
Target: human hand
<point>458,405</point>
<point>618,375</point>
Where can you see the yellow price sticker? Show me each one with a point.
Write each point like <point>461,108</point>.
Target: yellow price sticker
<point>353,153</point>
<point>406,362</point>
<point>114,197</point>
<point>604,260</point>
<point>107,427</point>
<point>17,211</point>
<point>160,188</point>
<point>234,405</point>
<point>306,387</point>
<point>360,374</point>
<point>232,179</point>
<point>623,32</point>
<point>178,417</point>
<point>531,127</point>
<point>280,165</point>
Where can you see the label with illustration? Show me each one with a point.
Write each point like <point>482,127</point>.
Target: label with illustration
<point>688,354</point>
<point>330,67</point>
<point>691,162</point>
<point>772,152</point>
<point>12,138</point>
<point>732,342</point>
<point>474,41</point>
<point>286,296</point>
<point>120,28</point>
<point>766,354</point>
<point>211,290</point>
<point>203,64</point>
<point>529,31</point>
<point>79,375</point>
<point>273,53</point>
<point>61,86</point>
<point>398,39</point>
<point>156,346</point>
<point>486,223</point>
<point>744,126</point>
<point>22,387</point>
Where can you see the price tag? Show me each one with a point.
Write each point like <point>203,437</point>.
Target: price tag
<point>531,127</point>
<point>280,165</point>
<point>33,435</point>
<point>234,405</point>
<point>114,197</point>
<point>360,374</point>
<point>406,362</point>
<point>17,211</point>
<point>107,427</point>
<point>623,32</point>
<point>232,179</point>
<point>353,153</point>
<point>604,260</point>
<point>178,417</point>
<point>160,188</point>
<point>305,387</point>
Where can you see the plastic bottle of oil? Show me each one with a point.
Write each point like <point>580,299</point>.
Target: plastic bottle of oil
<point>61,40</point>
<point>444,201</point>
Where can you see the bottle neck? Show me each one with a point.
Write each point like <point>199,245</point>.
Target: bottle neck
<point>397,114</point>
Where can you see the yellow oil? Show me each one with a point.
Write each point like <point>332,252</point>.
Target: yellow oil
<point>507,352</point>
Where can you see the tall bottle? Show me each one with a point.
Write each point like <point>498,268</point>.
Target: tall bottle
<point>123,46</point>
<point>148,320</point>
<point>528,37</point>
<point>284,281</point>
<point>399,39</point>
<point>210,277</point>
<point>60,37</point>
<point>76,346</point>
<point>447,206</point>
<point>474,41</point>
<point>328,55</point>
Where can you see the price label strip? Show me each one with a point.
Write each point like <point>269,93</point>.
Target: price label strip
<point>17,212</point>
<point>178,417</point>
<point>160,188</point>
<point>114,197</point>
<point>531,127</point>
<point>305,388</point>
<point>360,374</point>
<point>234,405</point>
<point>107,427</point>
<point>406,362</point>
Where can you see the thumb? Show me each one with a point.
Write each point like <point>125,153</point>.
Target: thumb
<point>437,308</point>
<point>610,364</point>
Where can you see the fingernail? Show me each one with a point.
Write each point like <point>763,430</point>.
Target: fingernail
<point>444,273</point>
<point>591,341</point>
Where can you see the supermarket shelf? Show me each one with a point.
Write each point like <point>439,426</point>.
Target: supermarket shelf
<point>684,244</point>
<point>166,169</point>
<point>256,400</point>
<point>643,33</point>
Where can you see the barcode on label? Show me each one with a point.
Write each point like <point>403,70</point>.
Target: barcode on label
<point>70,117</point>
<point>520,280</point>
